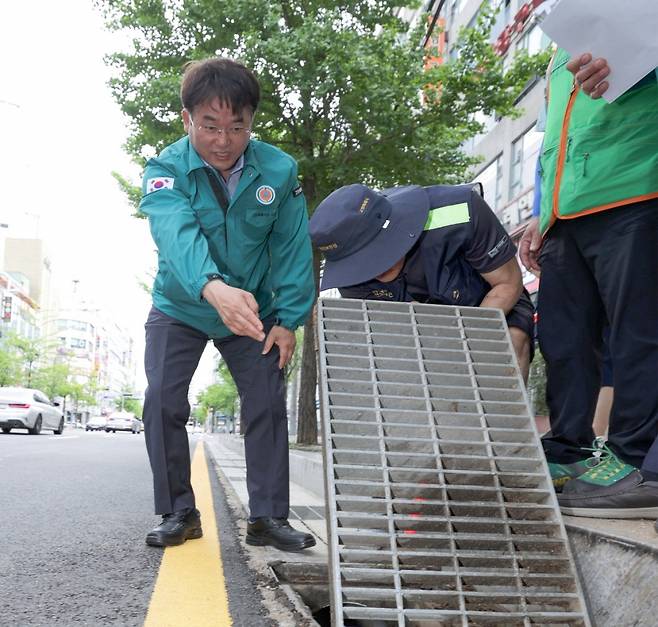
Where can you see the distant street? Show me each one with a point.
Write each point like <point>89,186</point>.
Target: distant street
<point>75,510</point>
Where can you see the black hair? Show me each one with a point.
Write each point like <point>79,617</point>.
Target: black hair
<point>233,83</point>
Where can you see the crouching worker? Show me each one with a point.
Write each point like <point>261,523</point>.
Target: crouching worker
<point>439,244</point>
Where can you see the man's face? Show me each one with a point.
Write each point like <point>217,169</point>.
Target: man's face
<point>218,134</point>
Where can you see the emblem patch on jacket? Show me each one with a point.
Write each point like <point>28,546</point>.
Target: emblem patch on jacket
<point>265,194</point>
<point>162,182</point>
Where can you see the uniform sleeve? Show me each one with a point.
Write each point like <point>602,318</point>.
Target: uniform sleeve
<point>175,229</point>
<point>292,259</point>
<point>489,246</point>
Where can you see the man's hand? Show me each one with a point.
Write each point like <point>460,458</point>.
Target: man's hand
<point>237,309</point>
<point>530,245</point>
<point>590,74</point>
<point>285,340</point>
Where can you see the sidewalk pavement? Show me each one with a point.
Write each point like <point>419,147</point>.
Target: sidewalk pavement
<point>306,491</point>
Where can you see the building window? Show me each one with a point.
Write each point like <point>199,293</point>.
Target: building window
<point>76,342</point>
<point>503,17</point>
<point>525,151</point>
<point>491,179</point>
<point>533,41</point>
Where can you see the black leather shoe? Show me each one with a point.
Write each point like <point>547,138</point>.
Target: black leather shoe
<point>175,528</point>
<point>278,533</point>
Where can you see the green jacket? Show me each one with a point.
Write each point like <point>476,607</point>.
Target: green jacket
<point>596,155</point>
<point>261,245</point>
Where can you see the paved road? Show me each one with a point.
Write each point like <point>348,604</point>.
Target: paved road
<point>75,510</point>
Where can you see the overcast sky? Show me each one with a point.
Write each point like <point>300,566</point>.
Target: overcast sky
<point>62,136</point>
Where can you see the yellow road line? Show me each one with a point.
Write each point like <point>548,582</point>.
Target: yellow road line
<point>190,590</point>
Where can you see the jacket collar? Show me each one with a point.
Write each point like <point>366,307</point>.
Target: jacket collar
<point>195,162</point>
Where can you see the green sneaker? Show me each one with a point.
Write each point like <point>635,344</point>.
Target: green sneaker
<point>561,473</point>
<point>612,489</point>
<point>610,470</point>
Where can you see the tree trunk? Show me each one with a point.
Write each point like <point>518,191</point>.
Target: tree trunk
<point>307,425</point>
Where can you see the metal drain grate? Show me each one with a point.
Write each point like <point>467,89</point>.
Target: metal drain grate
<point>439,504</point>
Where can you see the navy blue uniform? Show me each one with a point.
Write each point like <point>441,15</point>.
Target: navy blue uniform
<point>462,240</point>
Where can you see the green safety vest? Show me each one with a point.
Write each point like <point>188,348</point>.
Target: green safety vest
<point>596,155</point>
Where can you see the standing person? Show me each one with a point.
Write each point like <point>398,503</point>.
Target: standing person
<point>598,257</point>
<point>439,244</point>
<point>234,266</point>
<point>606,393</point>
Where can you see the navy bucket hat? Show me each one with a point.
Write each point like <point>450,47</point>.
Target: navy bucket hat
<point>363,233</point>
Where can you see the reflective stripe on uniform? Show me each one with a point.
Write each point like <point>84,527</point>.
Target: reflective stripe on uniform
<point>447,216</point>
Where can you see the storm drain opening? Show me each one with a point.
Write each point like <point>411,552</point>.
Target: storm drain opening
<point>440,509</point>
<point>309,581</point>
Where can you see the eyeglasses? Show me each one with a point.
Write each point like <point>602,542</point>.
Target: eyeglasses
<point>232,131</point>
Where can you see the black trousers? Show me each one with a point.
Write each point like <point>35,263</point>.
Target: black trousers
<point>173,350</point>
<point>598,268</point>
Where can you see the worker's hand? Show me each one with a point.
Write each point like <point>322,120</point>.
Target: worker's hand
<point>237,309</point>
<point>590,74</point>
<point>285,340</point>
<point>530,245</point>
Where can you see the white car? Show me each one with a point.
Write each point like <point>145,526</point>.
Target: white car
<point>123,421</point>
<point>96,423</point>
<point>27,408</point>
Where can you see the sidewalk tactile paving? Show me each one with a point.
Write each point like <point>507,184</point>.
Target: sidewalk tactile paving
<point>440,507</point>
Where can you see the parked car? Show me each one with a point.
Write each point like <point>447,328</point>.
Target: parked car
<point>27,408</point>
<point>123,421</point>
<point>96,423</point>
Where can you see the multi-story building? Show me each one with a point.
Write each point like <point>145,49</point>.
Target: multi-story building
<point>28,257</point>
<point>507,148</point>
<point>98,349</point>
<point>19,311</point>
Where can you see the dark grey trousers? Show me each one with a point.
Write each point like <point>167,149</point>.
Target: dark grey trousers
<point>172,354</point>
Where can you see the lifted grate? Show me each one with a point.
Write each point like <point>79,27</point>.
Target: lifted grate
<point>440,509</point>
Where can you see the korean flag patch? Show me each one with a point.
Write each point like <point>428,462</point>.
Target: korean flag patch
<point>163,182</point>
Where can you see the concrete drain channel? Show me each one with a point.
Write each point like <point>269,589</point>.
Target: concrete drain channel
<point>439,504</point>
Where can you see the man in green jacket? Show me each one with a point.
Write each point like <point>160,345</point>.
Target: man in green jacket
<point>229,220</point>
<point>596,241</point>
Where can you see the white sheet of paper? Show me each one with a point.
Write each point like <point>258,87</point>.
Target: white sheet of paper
<point>623,33</point>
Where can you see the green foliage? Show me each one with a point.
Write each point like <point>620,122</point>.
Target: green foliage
<point>10,367</point>
<point>133,405</point>
<point>199,414</point>
<point>28,353</point>
<point>344,88</point>
<point>133,192</point>
<point>54,380</point>
<point>222,396</point>
<point>295,362</point>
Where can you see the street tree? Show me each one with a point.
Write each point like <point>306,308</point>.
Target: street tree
<point>127,401</point>
<point>10,367</point>
<point>222,396</point>
<point>134,406</point>
<point>31,352</point>
<point>346,91</point>
<point>54,379</point>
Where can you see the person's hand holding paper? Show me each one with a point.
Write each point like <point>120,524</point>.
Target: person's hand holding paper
<point>625,39</point>
<point>590,74</point>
